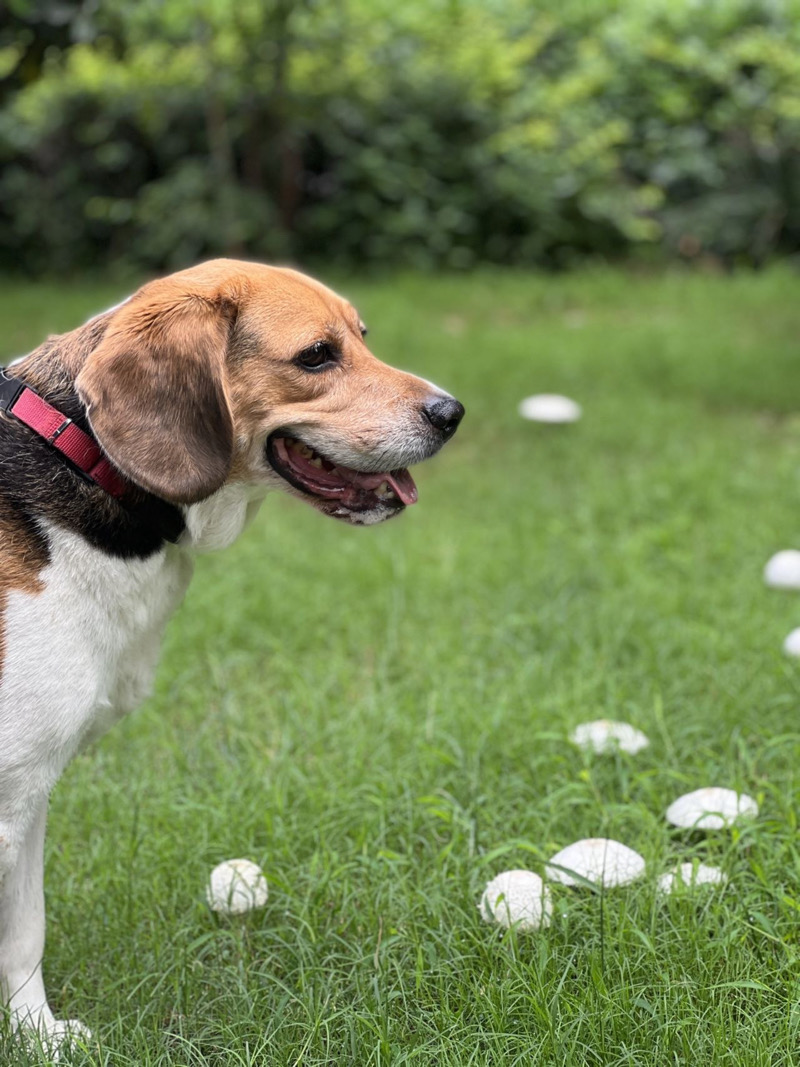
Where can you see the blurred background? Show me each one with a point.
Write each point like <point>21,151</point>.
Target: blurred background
<point>427,134</point>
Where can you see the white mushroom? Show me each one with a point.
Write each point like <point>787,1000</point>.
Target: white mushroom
<point>605,735</point>
<point>712,808</point>
<point>689,875</point>
<point>783,570</point>
<point>236,886</point>
<point>517,898</point>
<point>599,860</point>
<point>791,644</point>
<point>549,407</point>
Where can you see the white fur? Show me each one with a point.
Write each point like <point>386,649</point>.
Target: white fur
<point>80,654</point>
<point>217,522</point>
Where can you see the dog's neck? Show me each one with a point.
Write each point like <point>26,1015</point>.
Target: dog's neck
<point>51,369</point>
<point>217,521</point>
<point>214,523</point>
<point>39,482</point>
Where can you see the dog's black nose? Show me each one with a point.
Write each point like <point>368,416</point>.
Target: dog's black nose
<point>444,413</point>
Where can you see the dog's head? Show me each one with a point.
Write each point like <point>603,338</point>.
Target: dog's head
<point>237,372</point>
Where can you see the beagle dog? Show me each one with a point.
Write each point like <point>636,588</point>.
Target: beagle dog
<point>150,433</point>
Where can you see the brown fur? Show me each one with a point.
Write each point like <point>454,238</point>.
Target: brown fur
<point>23,554</point>
<point>180,380</point>
<point>197,365</point>
<point>155,394</point>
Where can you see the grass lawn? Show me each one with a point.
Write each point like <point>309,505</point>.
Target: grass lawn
<point>379,717</point>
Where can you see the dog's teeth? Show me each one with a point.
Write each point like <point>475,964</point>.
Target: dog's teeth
<point>316,462</point>
<point>384,491</point>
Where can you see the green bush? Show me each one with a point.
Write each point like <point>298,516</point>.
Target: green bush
<point>431,134</point>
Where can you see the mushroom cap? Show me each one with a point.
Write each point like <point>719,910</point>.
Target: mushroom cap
<point>712,808</point>
<point>236,886</point>
<point>605,735</point>
<point>598,859</point>
<point>517,898</point>
<point>689,875</point>
<point>791,644</point>
<point>549,407</point>
<point>783,570</point>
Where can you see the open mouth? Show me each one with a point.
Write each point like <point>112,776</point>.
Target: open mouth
<point>320,477</point>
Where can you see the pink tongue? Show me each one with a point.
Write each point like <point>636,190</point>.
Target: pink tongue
<point>400,480</point>
<point>329,482</point>
<point>403,484</point>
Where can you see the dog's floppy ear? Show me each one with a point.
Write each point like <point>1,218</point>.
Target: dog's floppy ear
<point>154,389</point>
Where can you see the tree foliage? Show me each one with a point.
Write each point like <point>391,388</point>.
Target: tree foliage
<point>436,132</point>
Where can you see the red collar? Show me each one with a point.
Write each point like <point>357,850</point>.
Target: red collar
<point>81,450</point>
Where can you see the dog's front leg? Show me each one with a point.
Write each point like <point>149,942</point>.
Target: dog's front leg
<point>22,928</point>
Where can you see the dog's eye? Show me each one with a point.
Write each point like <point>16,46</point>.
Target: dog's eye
<point>317,356</point>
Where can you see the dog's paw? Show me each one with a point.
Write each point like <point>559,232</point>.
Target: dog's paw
<point>62,1031</point>
<point>66,1035</point>
<point>56,1037</point>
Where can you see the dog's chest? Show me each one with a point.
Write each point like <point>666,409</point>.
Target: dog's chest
<point>82,653</point>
